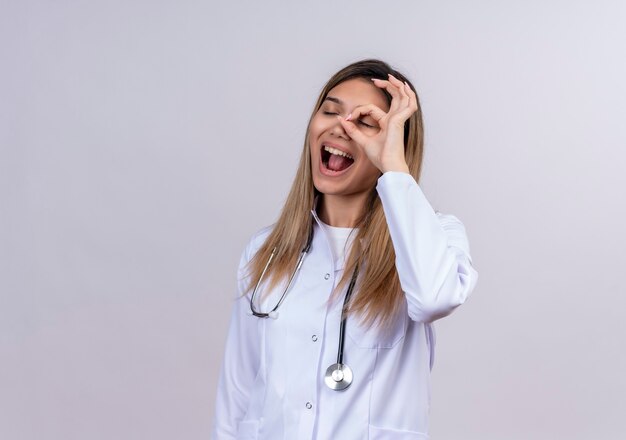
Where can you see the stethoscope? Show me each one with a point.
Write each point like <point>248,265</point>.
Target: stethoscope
<point>339,375</point>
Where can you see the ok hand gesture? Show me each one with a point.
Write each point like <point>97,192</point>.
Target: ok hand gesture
<point>385,149</point>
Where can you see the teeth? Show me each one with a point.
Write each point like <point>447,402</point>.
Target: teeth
<point>332,150</point>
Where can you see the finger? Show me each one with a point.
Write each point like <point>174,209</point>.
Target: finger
<point>395,81</point>
<point>400,117</point>
<point>412,96</point>
<point>400,97</point>
<point>405,101</point>
<point>352,131</point>
<point>392,90</point>
<point>367,110</point>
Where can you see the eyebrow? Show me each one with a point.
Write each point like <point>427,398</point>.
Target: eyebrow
<point>333,99</point>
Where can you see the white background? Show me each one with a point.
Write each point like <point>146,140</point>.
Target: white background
<point>143,142</point>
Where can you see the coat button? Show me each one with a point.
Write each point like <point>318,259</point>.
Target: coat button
<point>309,405</point>
<point>327,276</point>
<point>314,338</point>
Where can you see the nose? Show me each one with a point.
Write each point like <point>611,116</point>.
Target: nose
<point>338,130</point>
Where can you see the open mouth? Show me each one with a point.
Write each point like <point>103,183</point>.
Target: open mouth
<point>336,160</point>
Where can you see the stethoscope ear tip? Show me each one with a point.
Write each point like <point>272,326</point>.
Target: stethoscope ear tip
<point>273,314</point>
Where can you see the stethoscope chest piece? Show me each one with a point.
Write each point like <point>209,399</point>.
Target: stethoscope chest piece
<point>338,377</point>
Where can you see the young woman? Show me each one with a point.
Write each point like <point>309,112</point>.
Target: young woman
<point>331,336</point>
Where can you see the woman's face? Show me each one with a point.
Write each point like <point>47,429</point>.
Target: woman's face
<point>340,166</point>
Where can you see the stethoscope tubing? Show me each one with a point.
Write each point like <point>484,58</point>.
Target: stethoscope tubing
<point>339,375</point>
<point>342,328</point>
<point>273,313</point>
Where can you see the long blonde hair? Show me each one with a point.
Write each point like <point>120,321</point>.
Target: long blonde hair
<point>379,296</point>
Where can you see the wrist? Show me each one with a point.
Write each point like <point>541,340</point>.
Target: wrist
<point>400,167</point>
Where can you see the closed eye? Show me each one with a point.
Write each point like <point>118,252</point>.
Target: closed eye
<point>360,121</point>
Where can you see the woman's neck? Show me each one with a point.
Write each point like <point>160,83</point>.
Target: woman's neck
<point>341,211</point>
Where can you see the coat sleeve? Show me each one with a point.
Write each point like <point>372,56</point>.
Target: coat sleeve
<point>240,365</point>
<point>432,251</point>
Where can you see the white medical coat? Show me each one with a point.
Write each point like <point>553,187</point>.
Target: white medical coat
<point>271,384</point>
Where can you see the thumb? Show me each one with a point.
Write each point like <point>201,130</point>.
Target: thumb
<point>353,131</point>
